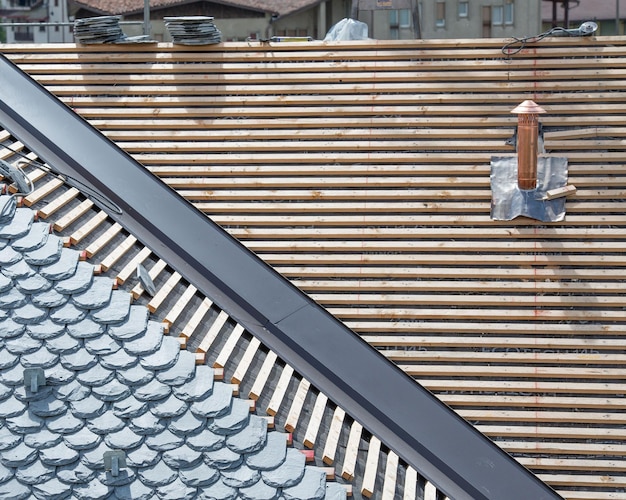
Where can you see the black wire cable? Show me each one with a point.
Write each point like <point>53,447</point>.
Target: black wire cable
<point>510,48</point>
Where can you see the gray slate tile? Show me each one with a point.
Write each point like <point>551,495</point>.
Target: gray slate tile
<point>19,225</point>
<point>72,276</point>
<point>50,298</point>
<point>164,357</point>
<point>33,284</point>
<point>199,475</point>
<point>36,237</point>
<point>64,272</point>
<point>47,254</point>
<point>158,475</point>
<point>36,472</point>
<point>116,311</point>
<point>86,329</point>
<point>134,326</point>
<point>311,487</point>
<point>15,490</point>
<point>259,491</point>
<point>42,439</point>
<point>45,330</point>
<point>289,473</point>
<point>96,296</point>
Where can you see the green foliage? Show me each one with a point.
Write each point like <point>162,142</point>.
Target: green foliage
<point>3,35</point>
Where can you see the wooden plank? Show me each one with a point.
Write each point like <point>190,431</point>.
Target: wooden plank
<point>164,291</point>
<point>41,192</point>
<point>103,240</point>
<point>579,417</point>
<point>543,402</point>
<point>315,420</point>
<point>181,303</point>
<point>228,347</point>
<point>368,486</point>
<point>279,391</point>
<point>507,371</point>
<point>391,475</point>
<point>525,358</point>
<point>57,203</point>
<point>245,361</point>
<point>297,405</point>
<point>352,450</point>
<point>537,432</point>
<point>332,437</point>
<point>564,448</point>
<point>154,272</point>
<point>532,386</point>
<point>214,330</point>
<point>74,215</point>
<point>410,484</point>
<point>430,492</point>
<point>129,269</point>
<point>118,252</point>
<point>263,374</point>
<point>188,330</point>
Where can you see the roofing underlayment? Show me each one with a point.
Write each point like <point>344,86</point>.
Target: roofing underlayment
<point>361,171</point>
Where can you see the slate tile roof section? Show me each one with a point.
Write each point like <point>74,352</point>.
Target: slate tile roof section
<point>115,382</point>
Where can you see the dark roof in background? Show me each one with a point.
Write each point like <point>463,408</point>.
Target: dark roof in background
<point>120,7</point>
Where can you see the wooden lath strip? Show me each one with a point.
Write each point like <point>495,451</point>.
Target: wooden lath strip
<point>41,192</point>
<point>297,405</point>
<point>315,420</point>
<point>74,215</point>
<point>154,272</point>
<point>131,267</point>
<point>246,360</point>
<point>193,323</point>
<point>164,291</point>
<point>103,240</point>
<point>391,476</point>
<point>368,486</point>
<point>280,390</point>
<point>352,451</point>
<point>410,484</point>
<point>118,252</point>
<point>332,437</point>
<point>228,348</point>
<point>211,335</point>
<point>262,375</point>
<point>58,203</point>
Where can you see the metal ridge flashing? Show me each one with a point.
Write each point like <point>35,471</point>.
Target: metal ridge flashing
<point>423,431</point>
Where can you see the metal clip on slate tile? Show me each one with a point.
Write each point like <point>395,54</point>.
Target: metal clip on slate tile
<point>34,378</point>
<point>114,461</point>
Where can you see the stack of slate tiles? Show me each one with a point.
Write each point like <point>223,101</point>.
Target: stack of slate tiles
<point>114,385</point>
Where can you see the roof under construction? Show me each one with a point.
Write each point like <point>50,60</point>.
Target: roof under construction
<point>360,171</point>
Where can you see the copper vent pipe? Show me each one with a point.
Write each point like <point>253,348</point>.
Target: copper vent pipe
<point>527,139</point>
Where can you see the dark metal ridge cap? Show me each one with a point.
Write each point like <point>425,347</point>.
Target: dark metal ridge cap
<point>420,429</point>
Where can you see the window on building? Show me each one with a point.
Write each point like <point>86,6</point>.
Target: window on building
<point>440,20</point>
<point>497,14</point>
<point>400,18</point>
<point>463,8</point>
<point>509,8</point>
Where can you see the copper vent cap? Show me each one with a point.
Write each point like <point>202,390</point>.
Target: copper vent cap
<point>528,107</point>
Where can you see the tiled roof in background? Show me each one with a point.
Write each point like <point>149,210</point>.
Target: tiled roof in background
<point>118,7</point>
<point>113,381</point>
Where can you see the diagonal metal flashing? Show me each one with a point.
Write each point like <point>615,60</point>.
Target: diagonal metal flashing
<point>463,463</point>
